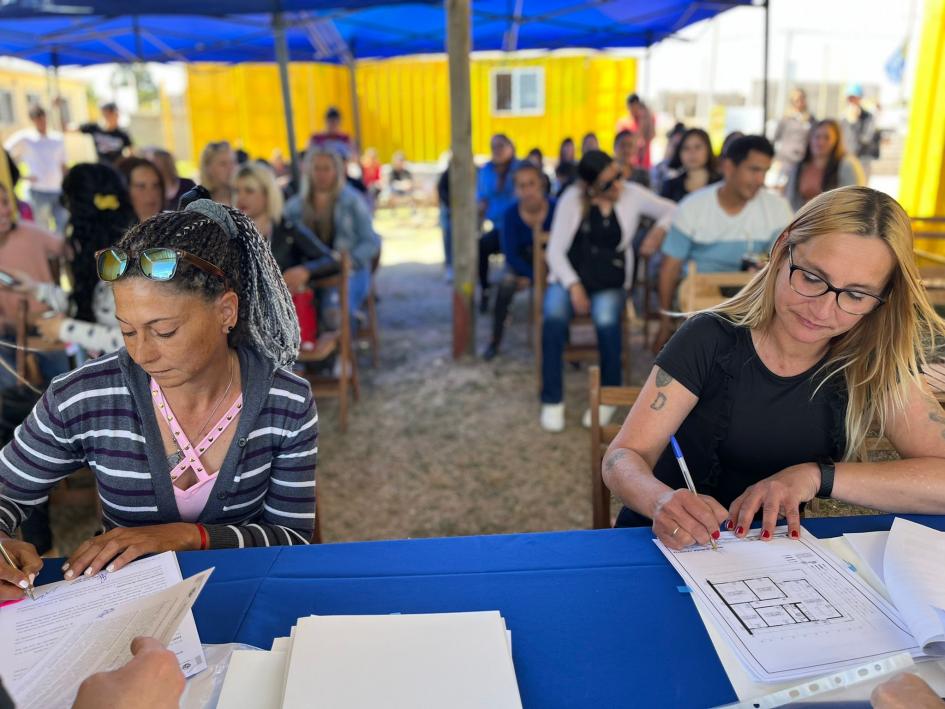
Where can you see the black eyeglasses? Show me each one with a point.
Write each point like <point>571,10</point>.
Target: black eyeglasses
<point>810,285</point>
<point>158,264</point>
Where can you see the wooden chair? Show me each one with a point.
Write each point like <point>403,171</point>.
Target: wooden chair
<point>369,334</point>
<point>699,291</point>
<point>339,344</point>
<point>601,436</point>
<point>582,345</point>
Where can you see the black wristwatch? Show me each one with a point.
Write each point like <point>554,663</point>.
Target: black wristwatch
<point>827,470</point>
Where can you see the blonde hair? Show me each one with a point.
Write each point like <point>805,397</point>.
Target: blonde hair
<point>265,180</point>
<point>882,356</point>
<point>210,151</point>
<point>307,190</point>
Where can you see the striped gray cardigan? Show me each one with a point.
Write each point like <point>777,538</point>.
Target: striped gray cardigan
<point>101,416</point>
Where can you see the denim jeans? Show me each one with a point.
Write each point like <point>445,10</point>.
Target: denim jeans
<point>46,205</point>
<point>557,313</point>
<point>359,285</point>
<point>447,236</point>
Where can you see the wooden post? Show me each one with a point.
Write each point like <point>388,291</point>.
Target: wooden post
<point>355,103</point>
<point>463,210</point>
<point>282,57</point>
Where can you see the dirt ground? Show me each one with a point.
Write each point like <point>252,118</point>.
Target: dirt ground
<point>436,447</point>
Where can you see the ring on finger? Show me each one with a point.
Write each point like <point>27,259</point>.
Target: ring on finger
<point>673,534</point>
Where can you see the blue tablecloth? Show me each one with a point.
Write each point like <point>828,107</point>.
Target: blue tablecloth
<point>597,619</point>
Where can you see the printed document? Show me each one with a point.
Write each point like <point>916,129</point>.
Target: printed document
<point>29,629</point>
<point>788,608</point>
<point>103,642</point>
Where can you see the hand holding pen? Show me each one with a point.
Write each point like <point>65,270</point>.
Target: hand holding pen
<point>18,568</point>
<point>683,517</point>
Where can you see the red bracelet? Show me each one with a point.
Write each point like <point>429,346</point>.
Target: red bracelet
<point>203,536</point>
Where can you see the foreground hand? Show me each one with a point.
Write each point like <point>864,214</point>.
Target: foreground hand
<point>905,691</point>
<point>682,518</point>
<point>13,583</point>
<point>296,278</point>
<point>119,546</point>
<point>777,496</point>
<point>150,680</point>
<point>579,300</point>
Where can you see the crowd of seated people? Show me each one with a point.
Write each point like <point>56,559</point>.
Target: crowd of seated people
<point>184,296</point>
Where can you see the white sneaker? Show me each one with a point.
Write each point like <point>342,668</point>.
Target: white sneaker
<point>606,414</point>
<point>552,417</point>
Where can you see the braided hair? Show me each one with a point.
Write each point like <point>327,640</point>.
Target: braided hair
<point>99,213</point>
<point>228,239</point>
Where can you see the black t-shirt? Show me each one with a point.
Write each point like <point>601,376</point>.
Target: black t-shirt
<point>109,144</point>
<point>749,423</point>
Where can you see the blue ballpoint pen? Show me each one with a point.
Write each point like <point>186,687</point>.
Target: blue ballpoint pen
<point>677,451</point>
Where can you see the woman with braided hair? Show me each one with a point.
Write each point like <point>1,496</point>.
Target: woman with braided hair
<point>198,436</point>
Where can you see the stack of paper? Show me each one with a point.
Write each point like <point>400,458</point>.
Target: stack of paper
<point>457,660</point>
<point>788,609</point>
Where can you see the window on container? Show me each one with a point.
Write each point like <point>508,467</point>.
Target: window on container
<point>503,92</point>
<point>65,111</point>
<point>7,114</point>
<point>519,92</point>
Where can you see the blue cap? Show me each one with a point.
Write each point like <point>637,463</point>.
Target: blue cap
<point>676,450</point>
<point>855,90</point>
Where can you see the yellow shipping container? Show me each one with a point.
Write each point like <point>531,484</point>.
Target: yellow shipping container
<point>404,103</point>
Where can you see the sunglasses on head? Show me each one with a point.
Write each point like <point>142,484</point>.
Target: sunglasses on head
<point>158,264</point>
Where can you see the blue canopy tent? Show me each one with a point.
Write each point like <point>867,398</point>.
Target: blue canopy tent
<point>64,32</point>
<point>224,32</point>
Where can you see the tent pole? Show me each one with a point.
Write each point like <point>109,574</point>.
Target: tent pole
<point>282,57</point>
<point>764,82</point>
<point>463,211</point>
<point>355,102</point>
<point>57,93</point>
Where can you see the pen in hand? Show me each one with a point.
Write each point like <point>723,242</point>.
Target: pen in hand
<point>677,451</point>
<point>6,556</point>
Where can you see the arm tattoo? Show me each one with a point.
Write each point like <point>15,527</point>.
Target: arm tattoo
<point>611,461</point>
<point>659,402</point>
<point>663,378</point>
<point>936,416</point>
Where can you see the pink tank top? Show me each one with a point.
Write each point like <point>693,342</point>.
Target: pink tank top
<point>190,502</point>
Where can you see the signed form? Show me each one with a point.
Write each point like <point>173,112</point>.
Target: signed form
<point>29,629</point>
<point>788,608</point>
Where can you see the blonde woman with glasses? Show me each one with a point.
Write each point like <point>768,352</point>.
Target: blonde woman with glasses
<point>771,394</point>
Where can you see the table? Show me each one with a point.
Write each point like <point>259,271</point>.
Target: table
<point>597,618</point>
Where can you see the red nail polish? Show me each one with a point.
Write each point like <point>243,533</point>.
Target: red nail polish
<point>716,534</point>
<point>739,531</point>
<point>729,525</point>
<point>795,534</point>
<point>766,534</point>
